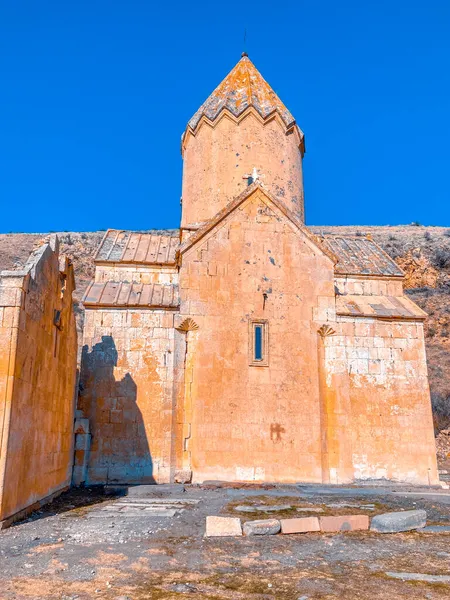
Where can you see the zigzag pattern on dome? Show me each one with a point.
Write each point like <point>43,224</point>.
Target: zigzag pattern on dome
<point>242,88</point>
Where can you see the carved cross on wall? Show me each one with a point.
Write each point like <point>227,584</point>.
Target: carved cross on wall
<point>254,176</point>
<point>275,432</point>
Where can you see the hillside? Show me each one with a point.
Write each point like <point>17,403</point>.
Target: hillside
<point>422,252</point>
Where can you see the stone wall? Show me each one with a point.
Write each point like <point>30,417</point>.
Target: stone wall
<point>376,403</point>
<point>127,393</point>
<point>38,349</point>
<point>249,422</point>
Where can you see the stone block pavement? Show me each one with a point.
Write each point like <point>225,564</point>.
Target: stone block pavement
<point>150,543</point>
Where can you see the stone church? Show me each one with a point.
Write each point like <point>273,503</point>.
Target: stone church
<point>241,347</point>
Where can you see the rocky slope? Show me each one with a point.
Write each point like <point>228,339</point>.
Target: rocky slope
<point>422,252</point>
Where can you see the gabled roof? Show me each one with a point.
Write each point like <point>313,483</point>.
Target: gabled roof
<point>361,256</point>
<point>243,87</point>
<point>231,206</point>
<point>156,246</point>
<point>126,294</point>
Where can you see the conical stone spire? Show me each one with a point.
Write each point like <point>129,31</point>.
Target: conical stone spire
<point>244,86</point>
<point>242,133</point>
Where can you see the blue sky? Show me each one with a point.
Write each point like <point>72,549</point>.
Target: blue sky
<point>96,93</point>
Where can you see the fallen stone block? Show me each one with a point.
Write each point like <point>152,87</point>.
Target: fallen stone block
<point>344,523</point>
<point>262,527</point>
<point>395,522</point>
<point>223,526</point>
<point>300,525</point>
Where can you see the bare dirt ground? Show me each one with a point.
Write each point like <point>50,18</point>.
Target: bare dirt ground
<point>86,545</point>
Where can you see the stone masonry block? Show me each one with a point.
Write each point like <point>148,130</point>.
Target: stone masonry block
<point>300,525</point>
<point>399,521</point>
<point>344,523</point>
<point>262,527</point>
<point>223,527</point>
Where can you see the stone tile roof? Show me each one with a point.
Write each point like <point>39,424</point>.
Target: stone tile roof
<point>360,256</point>
<point>388,307</point>
<point>156,246</point>
<point>244,86</point>
<point>142,295</point>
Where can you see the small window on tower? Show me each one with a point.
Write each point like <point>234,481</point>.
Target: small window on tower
<point>259,343</point>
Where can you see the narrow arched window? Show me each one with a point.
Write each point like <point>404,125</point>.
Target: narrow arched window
<point>258,343</point>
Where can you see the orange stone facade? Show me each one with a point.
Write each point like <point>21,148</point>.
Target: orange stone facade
<point>242,347</point>
<point>38,365</point>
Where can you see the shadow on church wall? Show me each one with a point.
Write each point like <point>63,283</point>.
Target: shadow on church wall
<point>119,452</point>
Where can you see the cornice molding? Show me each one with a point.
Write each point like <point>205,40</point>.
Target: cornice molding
<point>249,111</point>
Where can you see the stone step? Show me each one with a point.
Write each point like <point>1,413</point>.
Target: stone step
<point>139,508</point>
<point>154,490</point>
<point>139,515</point>
<point>160,501</point>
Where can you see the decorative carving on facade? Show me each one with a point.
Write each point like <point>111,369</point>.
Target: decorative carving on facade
<point>325,331</point>
<point>188,325</point>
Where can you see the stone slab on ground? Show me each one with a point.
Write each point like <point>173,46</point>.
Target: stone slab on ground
<point>262,527</point>
<point>223,527</point>
<point>348,505</point>
<point>274,508</point>
<point>262,508</point>
<point>344,523</point>
<point>419,577</point>
<point>395,522</point>
<point>300,525</point>
<point>155,501</point>
<point>436,529</point>
<point>136,514</point>
<point>313,510</point>
<point>245,508</point>
<point>163,489</point>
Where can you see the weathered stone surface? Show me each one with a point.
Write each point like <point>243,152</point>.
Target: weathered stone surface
<point>436,529</point>
<point>351,505</point>
<point>274,508</point>
<point>399,521</point>
<point>262,527</point>
<point>419,577</point>
<point>141,491</point>
<point>313,510</point>
<point>38,362</point>
<point>245,508</point>
<point>300,525</point>
<point>223,527</point>
<point>344,523</point>
<point>267,509</point>
<point>183,476</point>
